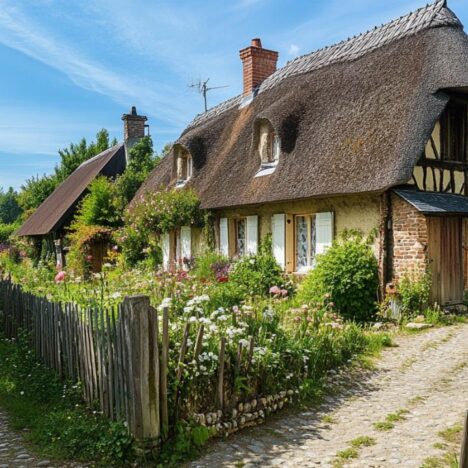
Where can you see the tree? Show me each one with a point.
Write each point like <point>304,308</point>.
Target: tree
<point>141,162</point>
<point>98,207</point>
<point>38,188</point>
<point>9,207</point>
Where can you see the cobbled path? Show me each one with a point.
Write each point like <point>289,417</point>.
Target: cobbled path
<point>427,375</point>
<point>15,454</point>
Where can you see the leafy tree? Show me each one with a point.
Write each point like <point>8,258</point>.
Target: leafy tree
<point>38,188</point>
<point>35,190</point>
<point>9,207</point>
<point>141,162</point>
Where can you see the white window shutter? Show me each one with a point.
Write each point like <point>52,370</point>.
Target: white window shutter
<point>186,242</point>
<point>324,234</point>
<point>278,228</point>
<point>223,237</point>
<point>252,234</point>
<point>165,246</point>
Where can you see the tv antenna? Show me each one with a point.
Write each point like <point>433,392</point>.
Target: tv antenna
<point>202,87</point>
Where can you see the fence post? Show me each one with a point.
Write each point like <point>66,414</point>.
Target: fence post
<point>140,333</point>
<point>464,447</point>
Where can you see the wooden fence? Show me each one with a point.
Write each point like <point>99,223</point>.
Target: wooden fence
<point>113,352</point>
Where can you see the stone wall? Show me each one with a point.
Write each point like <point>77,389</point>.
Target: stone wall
<point>410,239</point>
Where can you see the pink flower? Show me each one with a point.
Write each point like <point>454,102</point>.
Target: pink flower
<point>275,290</point>
<point>60,276</point>
<point>284,292</point>
<point>89,257</point>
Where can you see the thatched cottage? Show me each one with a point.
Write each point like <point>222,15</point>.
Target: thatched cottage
<point>51,219</point>
<point>367,134</point>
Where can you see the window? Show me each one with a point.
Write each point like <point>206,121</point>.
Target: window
<point>241,236</point>
<point>269,148</point>
<point>454,132</point>
<point>305,242</point>
<point>184,166</point>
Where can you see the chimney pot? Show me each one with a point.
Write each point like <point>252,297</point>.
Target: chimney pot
<point>258,64</point>
<point>257,42</point>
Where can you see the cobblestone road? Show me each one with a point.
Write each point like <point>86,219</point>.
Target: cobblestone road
<point>426,376</point>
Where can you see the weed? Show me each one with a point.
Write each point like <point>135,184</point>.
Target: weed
<point>452,434</point>
<point>328,419</point>
<point>384,426</point>
<point>363,441</point>
<point>348,453</point>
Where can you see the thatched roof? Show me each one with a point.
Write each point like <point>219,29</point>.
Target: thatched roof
<point>352,118</point>
<point>58,209</point>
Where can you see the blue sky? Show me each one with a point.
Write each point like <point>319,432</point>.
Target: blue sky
<point>70,68</point>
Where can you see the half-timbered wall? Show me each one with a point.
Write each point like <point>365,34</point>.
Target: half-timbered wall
<point>437,170</point>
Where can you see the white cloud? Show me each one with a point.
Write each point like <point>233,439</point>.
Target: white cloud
<point>293,50</point>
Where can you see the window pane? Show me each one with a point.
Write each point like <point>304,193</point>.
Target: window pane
<point>240,236</point>
<point>276,148</point>
<point>312,241</point>
<point>301,242</point>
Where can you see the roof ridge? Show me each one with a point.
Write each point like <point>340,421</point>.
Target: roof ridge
<point>101,154</point>
<point>434,14</point>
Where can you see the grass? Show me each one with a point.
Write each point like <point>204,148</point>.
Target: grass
<point>55,422</point>
<point>328,419</point>
<point>352,451</point>
<point>363,441</point>
<point>450,445</point>
<point>389,423</point>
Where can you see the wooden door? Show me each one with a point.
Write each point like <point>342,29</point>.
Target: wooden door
<point>446,259</point>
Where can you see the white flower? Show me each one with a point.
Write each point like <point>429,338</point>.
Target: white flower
<point>222,318</point>
<point>193,319</point>
<point>244,342</point>
<point>268,314</point>
<point>188,309</point>
<point>213,328</point>
<point>166,302</point>
<point>116,295</point>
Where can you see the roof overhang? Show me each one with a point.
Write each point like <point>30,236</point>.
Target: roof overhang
<point>435,203</point>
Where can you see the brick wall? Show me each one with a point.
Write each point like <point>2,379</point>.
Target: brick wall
<point>258,64</point>
<point>410,239</point>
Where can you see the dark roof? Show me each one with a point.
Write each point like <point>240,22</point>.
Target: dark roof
<point>58,209</point>
<point>352,118</point>
<point>435,203</point>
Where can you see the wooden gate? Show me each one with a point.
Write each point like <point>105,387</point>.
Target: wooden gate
<point>446,259</point>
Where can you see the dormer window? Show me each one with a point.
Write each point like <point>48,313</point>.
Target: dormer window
<point>184,166</point>
<point>269,148</point>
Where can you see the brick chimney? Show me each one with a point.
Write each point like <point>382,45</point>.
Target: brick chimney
<point>134,127</point>
<point>258,64</point>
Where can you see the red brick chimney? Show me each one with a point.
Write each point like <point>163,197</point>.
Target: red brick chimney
<point>258,64</point>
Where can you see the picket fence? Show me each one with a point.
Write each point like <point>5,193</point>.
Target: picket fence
<point>116,353</point>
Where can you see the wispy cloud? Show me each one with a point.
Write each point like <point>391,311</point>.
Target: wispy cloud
<point>293,50</point>
<point>246,3</point>
<point>21,33</point>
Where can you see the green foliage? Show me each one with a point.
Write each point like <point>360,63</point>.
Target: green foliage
<point>6,230</point>
<point>256,274</point>
<point>186,443</point>
<point>205,265</point>
<point>35,190</point>
<point>414,292</point>
<point>348,274</point>
<point>59,426</point>
<point>98,206</point>
<point>9,207</point>
<point>38,188</point>
<point>81,239</point>
<point>142,161</point>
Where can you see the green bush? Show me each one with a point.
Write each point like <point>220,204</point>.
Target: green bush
<point>256,274</point>
<point>6,230</point>
<point>414,292</point>
<point>205,265</point>
<point>347,273</point>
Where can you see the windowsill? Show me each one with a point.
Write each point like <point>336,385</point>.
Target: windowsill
<point>181,183</point>
<point>267,169</point>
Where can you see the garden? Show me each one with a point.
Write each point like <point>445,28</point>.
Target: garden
<point>240,330</point>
